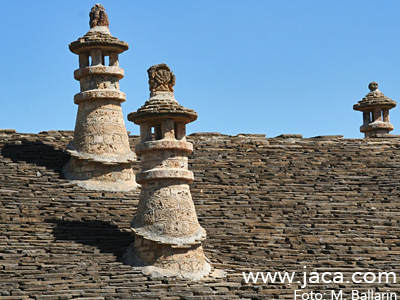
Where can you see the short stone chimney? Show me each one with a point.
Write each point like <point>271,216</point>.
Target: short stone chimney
<point>100,154</point>
<point>167,233</point>
<point>375,108</point>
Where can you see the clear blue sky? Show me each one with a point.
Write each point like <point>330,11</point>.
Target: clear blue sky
<point>268,67</point>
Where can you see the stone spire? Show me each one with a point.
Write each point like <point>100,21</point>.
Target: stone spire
<point>167,233</point>
<point>100,153</point>
<point>375,108</point>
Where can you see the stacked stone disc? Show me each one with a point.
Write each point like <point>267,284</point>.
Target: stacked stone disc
<point>100,153</point>
<point>375,107</point>
<point>167,233</point>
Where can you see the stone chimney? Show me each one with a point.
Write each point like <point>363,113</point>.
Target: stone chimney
<point>167,233</point>
<point>100,154</point>
<point>375,108</point>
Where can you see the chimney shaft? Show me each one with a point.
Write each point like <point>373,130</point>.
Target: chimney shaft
<point>100,153</point>
<point>167,233</point>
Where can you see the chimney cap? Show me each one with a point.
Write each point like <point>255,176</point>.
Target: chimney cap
<point>374,99</point>
<point>162,103</point>
<point>99,35</point>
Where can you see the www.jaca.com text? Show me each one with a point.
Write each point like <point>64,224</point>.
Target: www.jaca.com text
<point>305,278</point>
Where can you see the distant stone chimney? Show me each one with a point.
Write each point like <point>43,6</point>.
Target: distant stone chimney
<point>167,233</point>
<point>375,108</point>
<point>100,154</point>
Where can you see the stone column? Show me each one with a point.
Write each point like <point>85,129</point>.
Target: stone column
<point>375,103</point>
<point>167,233</point>
<point>100,153</point>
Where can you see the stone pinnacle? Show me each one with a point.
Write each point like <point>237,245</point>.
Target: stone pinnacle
<point>98,16</point>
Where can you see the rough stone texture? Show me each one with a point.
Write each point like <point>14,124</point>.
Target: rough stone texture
<point>267,205</point>
<point>163,104</point>
<point>98,176</point>
<point>168,234</point>
<point>160,260</point>
<point>98,16</point>
<point>101,156</point>
<point>161,78</point>
<point>375,107</point>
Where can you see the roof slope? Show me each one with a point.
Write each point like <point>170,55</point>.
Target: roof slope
<point>278,204</point>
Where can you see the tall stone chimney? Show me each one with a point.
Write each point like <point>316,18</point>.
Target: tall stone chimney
<point>375,108</point>
<point>100,154</point>
<point>167,233</point>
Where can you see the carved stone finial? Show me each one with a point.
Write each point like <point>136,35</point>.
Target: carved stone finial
<point>98,16</point>
<point>161,78</point>
<point>373,86</point>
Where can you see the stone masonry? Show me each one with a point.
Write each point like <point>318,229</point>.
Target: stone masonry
<point>267,204</point>
<point>100,153</point>
<point>375,108</point>
<point>167,233</point>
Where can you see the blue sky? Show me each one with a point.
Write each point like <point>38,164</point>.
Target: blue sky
<point>268,67</point>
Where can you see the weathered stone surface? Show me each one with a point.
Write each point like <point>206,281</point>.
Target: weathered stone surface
<point>328,137</point>
<point>290,136</point>
<point>375,107</point>
<point>162,103</point>
<point>98,16</point>
<point>97,37</point>
<point>100,154</point>
<point>167,233</point>
<point>266,204</point>
<point>161,78</point>
<point>161,260</point>
<point>99,176</point>
<point>7,131</point>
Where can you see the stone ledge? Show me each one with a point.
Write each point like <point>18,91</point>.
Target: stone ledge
<point>106,94</point>
<point>289,136</point>
<point>169,173</point>
<point>384,136</point>
<point>107,160</point>
<point>327,137</point>
<point>8,131</point>
<point>99,70</point>
<point>95,185</point>
<point>161,145</point>
<point>207,134</point>
<point>255,135</point>
<point>175,242</point>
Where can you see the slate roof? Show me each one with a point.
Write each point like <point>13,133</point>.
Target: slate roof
<point>275,204</point>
